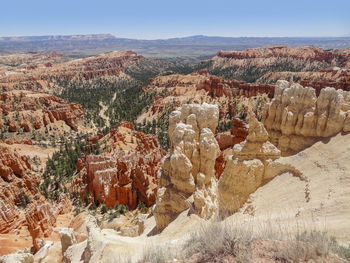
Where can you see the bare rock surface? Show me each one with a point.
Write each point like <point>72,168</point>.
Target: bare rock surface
<point>297,118</point>
<point>187,177</point>
<point>253,163</point>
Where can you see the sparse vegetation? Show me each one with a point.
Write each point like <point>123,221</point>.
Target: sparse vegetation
<point>119,210</point>
<point>217,240</point>
<point>24,201</point>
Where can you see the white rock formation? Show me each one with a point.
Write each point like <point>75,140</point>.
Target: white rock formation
<point>253,164</point>
<point>296,118</point>
<point>187,177</point>
<point>67,237</point>
<point>20,257</point>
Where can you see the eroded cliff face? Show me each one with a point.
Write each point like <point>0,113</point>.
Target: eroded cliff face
<point>296,118</point>
<point>187,176</point>
<point>297,53</point>
<point>254,162</point>
<point>19,192</point>
<point>29,111</point>
<point>219,87</point>
<point>16,181</point>
<point>47,71</point>
<point>127,173</point>
<point>233,97</point>
<point>269,64</point>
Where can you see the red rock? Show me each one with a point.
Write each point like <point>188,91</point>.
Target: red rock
<point>218,87</point>
<point>81,162</point>
<point>11,164</point>
<point>124,176</point>
<point>225,140</point>
<point>239,130</point>
<point>12,125</point>
<point>41,219</point>
<point>126,124</point>
<point>15,182</point>
<point>220,164</point>
<point>25,125</point>
<point>9,217</point>
<point>52,109</point>
<point>37,122</point>
<point>28,142</point>
<point>64,204</point>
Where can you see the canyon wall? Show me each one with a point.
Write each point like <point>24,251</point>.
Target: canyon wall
<point>28,111</point>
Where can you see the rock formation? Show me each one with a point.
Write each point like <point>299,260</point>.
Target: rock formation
<point>252,165</point>
<point>233,97</point>
<point>297,118</point>
<point>68,239</point>
<point>219,87</point>
<point>237,134</point>
<point>187,177</point>
<point>41,219</point>
<point>19,257</point>
<point>306,53</point>
<point>16,181</point>
<point>31,111</point>
<point>127,174</point>
<point>269,64</point>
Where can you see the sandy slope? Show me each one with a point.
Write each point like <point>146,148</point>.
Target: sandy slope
<point>321,203</point>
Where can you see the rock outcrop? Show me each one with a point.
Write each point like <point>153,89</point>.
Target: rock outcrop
<point>187,177</point>
<point>269,64</point>
<point>252,165</point>
<point>296,118</point>
<point>41,219</point>
<point>68,239</point>
<point>30,111</point>
<point>237,134</point>
<point>19,257</point>
<point>127,174</point>
<point>220,87</point>
<point>16,182</point>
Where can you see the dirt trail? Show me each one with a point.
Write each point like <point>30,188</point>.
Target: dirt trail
<point>104,109</point>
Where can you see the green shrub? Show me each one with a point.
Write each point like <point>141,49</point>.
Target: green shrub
<point>24,201</point>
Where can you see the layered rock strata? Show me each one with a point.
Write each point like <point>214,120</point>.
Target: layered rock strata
<point>28,111</point>
<point>296,118</point>
<point>16,182</point>
<point>187,176</point>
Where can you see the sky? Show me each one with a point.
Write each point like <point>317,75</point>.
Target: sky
<point>154,19</point>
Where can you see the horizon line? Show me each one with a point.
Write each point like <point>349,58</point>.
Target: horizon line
<point>175,37</point>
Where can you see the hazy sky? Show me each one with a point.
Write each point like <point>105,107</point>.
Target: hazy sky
<point>150,19</point>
